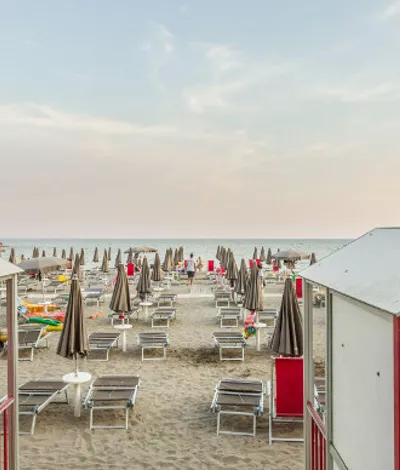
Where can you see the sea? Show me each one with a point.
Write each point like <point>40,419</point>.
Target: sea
<point>206,248</point>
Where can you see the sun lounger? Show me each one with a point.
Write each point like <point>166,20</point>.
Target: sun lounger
<point>232,340</point>
<point>227,314</point>
<point>29,337</point>
<point>34,396</point>
<point>93,295</point>
<point>55,286</point>
<point>128,316</point>
<point>238,397</point>
<point>163,315</point>
<point>159,340</point>
<point>285,392</point>
<point>103,342</point>
<point>222,297</point>
<point>164,298</point>
<point>112,392</point>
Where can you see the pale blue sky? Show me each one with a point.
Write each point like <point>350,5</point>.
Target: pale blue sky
<point>199,118</point>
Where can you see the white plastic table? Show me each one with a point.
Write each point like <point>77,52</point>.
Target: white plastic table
<point>146,306</point>
<point>259,326</point>
<point>77,380</point>
<point>123,328</point>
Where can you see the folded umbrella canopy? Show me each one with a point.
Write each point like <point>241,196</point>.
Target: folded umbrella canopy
<point>130,256</point>
<point>156,274</point>
<point>269,257</point>
<point>12,256</point>
<point>55,252</point>
<point>73,342</point>
<point>176,257</point>
<point>35,253</point>
<point>262,255</point>
<point>253,300</point>
<point>63,254</point>
<point>181,254</point>
<point>255,253</point>
<point>96,255</point>
<point>287,339</point>
<point>121,298</point>
<point>82,257</point>
<point>43,253</point>
<point>224,255</point>
<point>218,254</point>
<point>76,269</point>
<point>143,285</point>
<point>313,259</point>
<point>168,262</point>
<point>241,282</point>
<point>117,259</point>
<point>71,254</point>
<point>104,264</point>
<point>109,253</point>
<point>232,272</point>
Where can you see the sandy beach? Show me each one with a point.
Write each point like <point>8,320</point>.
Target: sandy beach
<point>171,425</point>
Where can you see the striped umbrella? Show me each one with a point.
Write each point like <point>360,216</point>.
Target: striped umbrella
<point>96,255</point>
<point>242,280</point>
<point>143,285</point>
<point>287,339</point>
<point>253,300</point>
<point>121,298</point>
<point>232,272</point>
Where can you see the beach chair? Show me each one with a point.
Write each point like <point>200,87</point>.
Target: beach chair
<point>285,393</point>
<point>163,315</point>
<point>269,316</point>
<point>229,314</point>
<point>238,397</point>
<point>102,342</point>
<point>159,340</point>
<point>34,396</point>
<point>222,297</point>
<point>29,337</point>
<point>164,298</point>
<point>112,392</point>
<point>128,316</point>
<point>232,340</point>
<point>93,295</point>
<point>55,286</point>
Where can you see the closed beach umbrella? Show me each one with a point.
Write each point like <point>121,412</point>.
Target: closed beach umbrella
<point>109,253</point>
<point>181,254</point>
<point>143,285</point>
<point>96,255</point>
<point>218,254</point>
<point>82,257</point>
<point>76,269</point>
<point>55,252</point>
<point>156,274</point>
<point>130,257</point>
<point>269,256</point>
<point>35,252</point>
<point>71,254</point>
<point>223,257</point>
<point>167,265</point>
<point>287,339</point>
<point>241,282</point>
<point>12,256</point>
<point>262,255</point>
<point>313,259</point>
<point>73,342</point>
<point>176,257</point>
<point>104,264</point>
<point>232,272</point>
<point>121,298</point>
<point>253,300</point>
<point>63,254</point>
<point>118,259</point>
<point>43,253</point>
<point>255,253</point>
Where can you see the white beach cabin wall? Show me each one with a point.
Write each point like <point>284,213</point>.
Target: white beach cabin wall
<point>362,366</point>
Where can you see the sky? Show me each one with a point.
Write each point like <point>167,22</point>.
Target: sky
<point>199,118</point>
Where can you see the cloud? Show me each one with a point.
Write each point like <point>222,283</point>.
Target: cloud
<point>383,92</point>
<point>45,116</point>
<point>222,57</point>
<point>393,9</point>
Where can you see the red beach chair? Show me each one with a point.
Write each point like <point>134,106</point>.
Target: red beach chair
<point>285,392</point>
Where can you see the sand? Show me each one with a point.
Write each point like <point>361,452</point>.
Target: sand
<point>171,425</point>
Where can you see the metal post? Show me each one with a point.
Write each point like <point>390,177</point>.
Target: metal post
<point>328,377</point>
<point>308,370</point>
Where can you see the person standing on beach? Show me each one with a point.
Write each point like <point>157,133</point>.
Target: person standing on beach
<point>190,269</point>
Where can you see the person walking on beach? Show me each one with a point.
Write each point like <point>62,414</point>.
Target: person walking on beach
<point>190,269</point>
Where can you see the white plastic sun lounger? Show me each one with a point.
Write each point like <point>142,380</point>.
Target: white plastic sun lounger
<point>238,397</point>
<point>112,392</point>
<point>229,314</point>
<point>163,315</point>
<point>34,396</point>
<point>159,340</point>
<point>103,342</point>
<point>232,340</point>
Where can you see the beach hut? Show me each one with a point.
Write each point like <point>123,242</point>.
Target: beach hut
<point>9,404</point>
<point>360,429</point>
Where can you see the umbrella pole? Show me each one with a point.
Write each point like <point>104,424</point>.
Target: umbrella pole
<point>43,288</point>
<point>76,364</point>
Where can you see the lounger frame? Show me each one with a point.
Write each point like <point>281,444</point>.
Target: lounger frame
<point>229,313</point>
<point>232,340</point>
<point>103,342</point>
<point>162,314</point>
<point>153,341</point>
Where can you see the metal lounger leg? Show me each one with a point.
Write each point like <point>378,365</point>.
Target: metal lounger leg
<point>126,418</point>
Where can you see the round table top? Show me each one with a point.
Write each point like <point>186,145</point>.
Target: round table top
<point>146,304</point>
<point>76,379</point>
<point>125,326</point>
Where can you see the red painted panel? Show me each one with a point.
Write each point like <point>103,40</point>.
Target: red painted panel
<point>210,265</point>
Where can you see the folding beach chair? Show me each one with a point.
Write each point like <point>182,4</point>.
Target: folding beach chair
<point>103,342</point>
<point>285,393</point>
<point>112,392</point>
<point>238,397</point>
<point>229,314</point>
<point>34,396</point>
<point>159,340</point>
<point>232,340</point>
<point>163,315</point>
